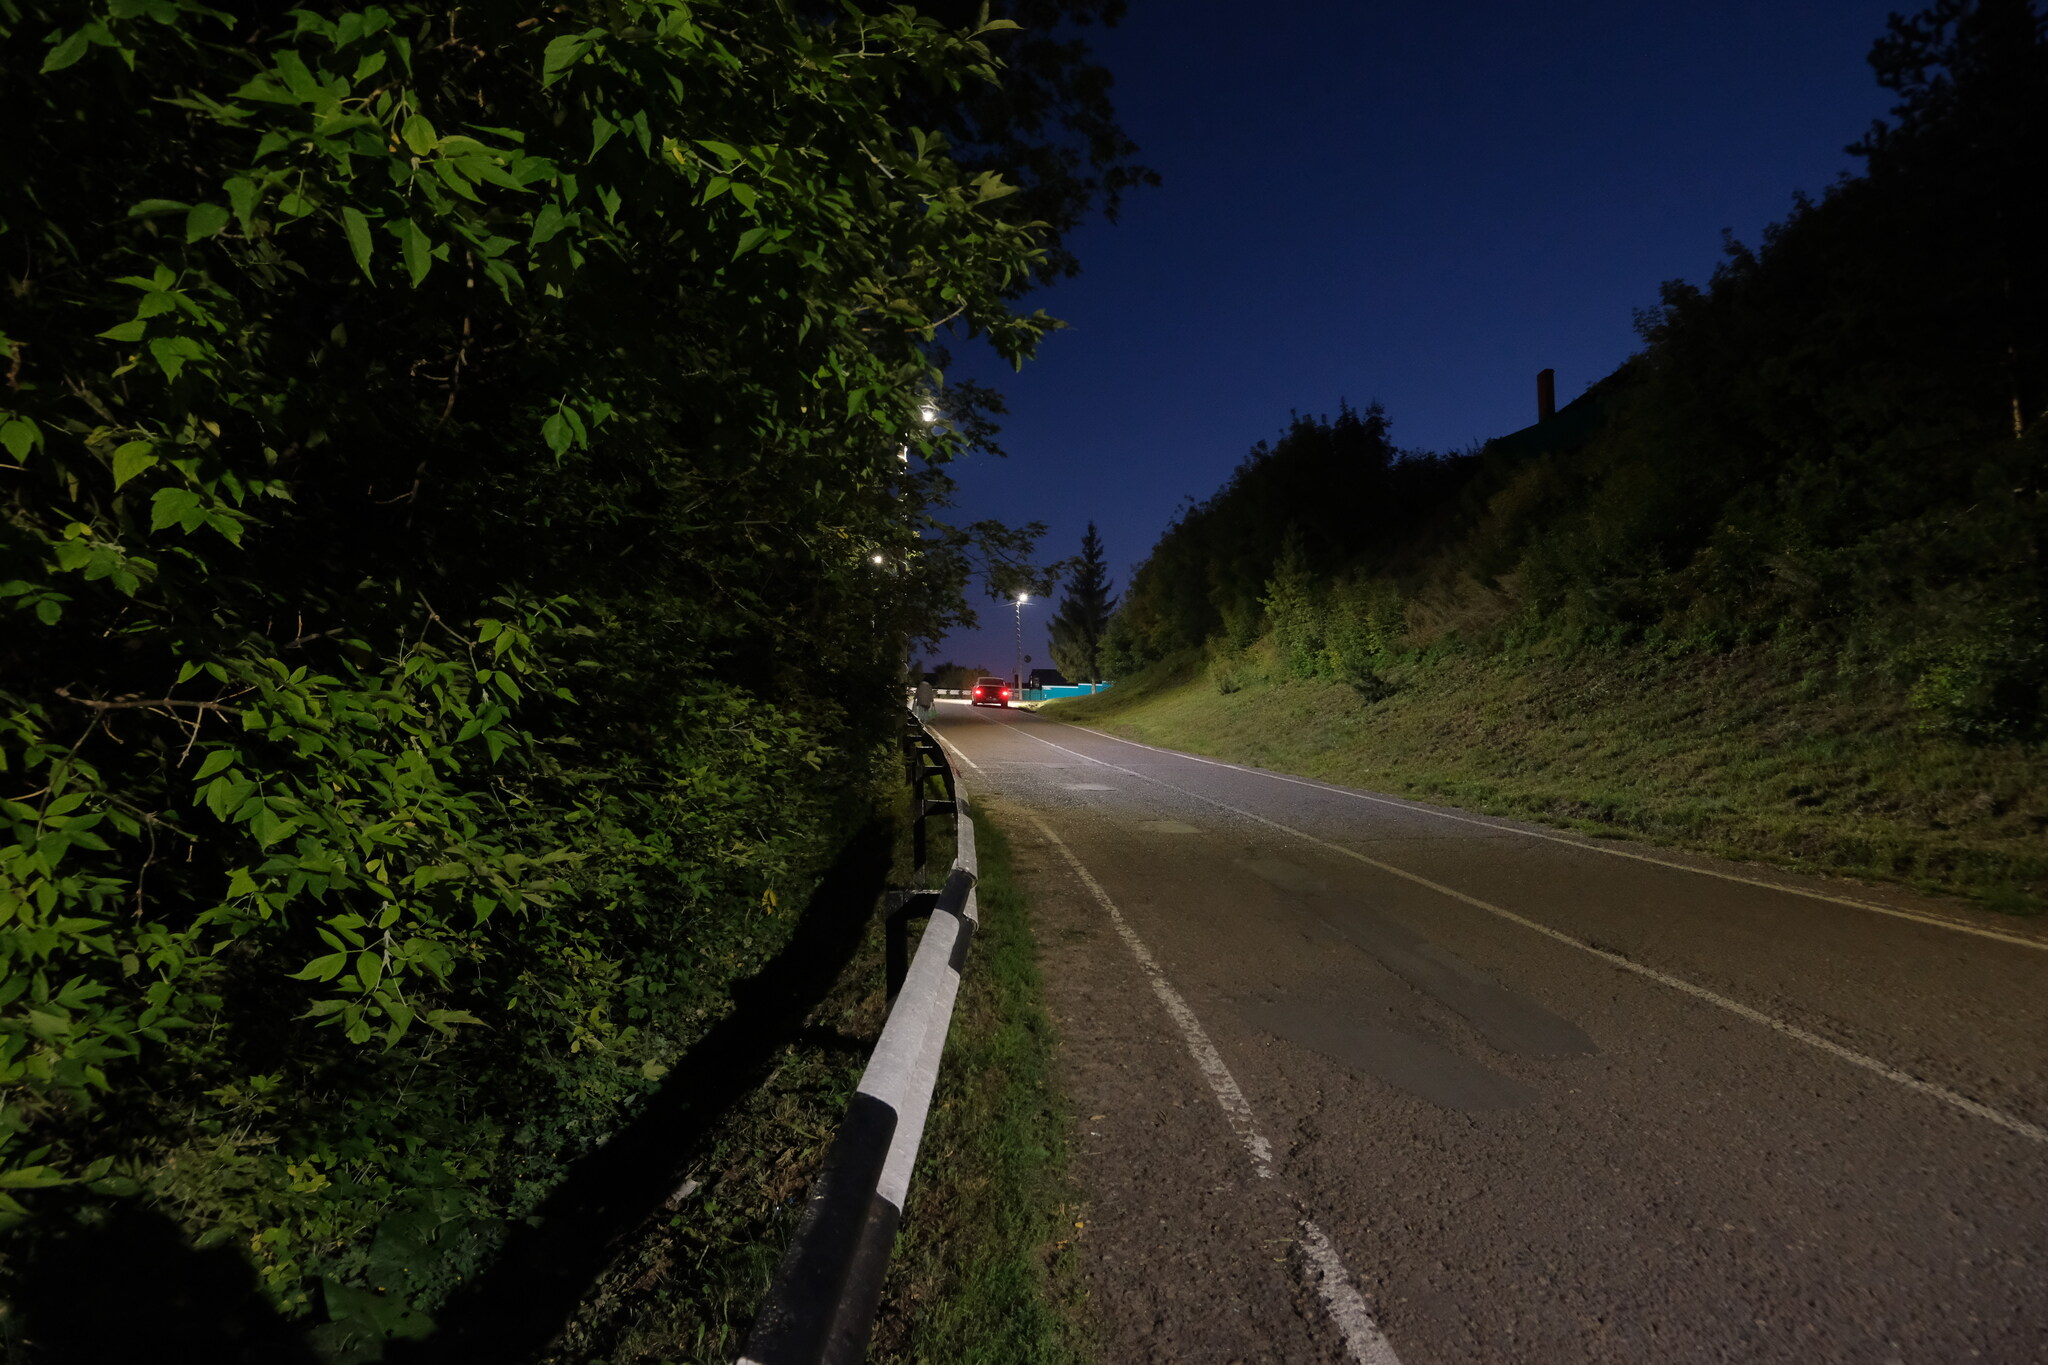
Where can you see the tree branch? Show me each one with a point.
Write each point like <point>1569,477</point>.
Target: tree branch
<point>132,703</point>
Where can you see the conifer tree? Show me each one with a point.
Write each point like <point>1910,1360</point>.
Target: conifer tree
<point>1084,614</point>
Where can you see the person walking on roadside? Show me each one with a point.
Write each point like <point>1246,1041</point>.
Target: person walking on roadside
<point>927,700</point>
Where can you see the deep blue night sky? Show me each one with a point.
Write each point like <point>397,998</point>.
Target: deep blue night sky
<point>1420,206</point>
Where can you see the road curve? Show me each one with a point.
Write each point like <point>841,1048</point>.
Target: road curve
<point>1359,1079</point>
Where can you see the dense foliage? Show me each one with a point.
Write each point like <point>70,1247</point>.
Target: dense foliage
<point>1330,496</point>
<point>1838,445</point>
<point>465,506</point>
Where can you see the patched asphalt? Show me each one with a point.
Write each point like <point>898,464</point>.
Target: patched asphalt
<point>1520,1149</point>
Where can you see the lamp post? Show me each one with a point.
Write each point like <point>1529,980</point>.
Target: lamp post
<point>1018,680</point>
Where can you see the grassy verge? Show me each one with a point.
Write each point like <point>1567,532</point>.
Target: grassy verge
<point>980,1273</point>
<point>1746,755</point>
<point>683,1287</point>
<point>984,1270</point>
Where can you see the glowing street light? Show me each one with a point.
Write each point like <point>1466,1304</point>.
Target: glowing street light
<point>1018,681</point>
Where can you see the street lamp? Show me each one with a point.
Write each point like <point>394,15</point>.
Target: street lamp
<point>1018,680</point>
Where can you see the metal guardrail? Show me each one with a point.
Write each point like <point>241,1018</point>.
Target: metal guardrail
<point>821,1306</point>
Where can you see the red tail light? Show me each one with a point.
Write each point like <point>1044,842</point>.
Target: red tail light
<point>977,692</point>
<point>1006,694</point>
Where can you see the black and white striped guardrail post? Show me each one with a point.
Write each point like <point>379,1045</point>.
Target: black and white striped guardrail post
<point>821,1306</point>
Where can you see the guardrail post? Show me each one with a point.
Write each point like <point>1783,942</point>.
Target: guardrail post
<point>924,760</point>
<point>908,906</point>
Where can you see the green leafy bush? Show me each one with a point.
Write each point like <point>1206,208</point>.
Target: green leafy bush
<point>459,539</point>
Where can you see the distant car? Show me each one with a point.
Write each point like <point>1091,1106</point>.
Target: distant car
<point>990,692</point>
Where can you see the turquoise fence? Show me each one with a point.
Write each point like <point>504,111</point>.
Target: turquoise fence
<point>1077,690</point>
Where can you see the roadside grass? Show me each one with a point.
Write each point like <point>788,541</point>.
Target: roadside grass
<point>1746,755</point>
<point>985,1269</point>
<point>979,1273</point>
<point>683,1287</point>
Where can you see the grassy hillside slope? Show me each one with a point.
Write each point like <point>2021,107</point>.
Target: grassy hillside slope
<point>1743,754</point>
<point>1777,587</point>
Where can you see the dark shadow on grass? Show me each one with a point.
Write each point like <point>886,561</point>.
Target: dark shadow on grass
<point>130,1286</point>
<point>510,1313</point>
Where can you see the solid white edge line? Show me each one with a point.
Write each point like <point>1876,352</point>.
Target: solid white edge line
<point>1916,916</point>
<point>1790,1030</point>
<point>1347,1308</point>
<point>954,750</point>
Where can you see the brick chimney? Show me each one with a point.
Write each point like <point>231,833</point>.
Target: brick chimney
<point>1546,395</point>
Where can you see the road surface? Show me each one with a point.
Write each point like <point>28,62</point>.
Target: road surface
<point>1359,1079</point>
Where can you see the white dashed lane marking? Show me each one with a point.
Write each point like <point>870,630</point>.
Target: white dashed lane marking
<point>1347,1307</point>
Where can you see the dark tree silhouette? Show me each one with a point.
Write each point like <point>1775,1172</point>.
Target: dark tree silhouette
<point>1084,614</point>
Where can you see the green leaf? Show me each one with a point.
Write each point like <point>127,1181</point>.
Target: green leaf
<point>223,794</point>
<point>555,431</point>
<point>546,224</point>
<point>66,52</point>
<point>204,221</point>
<point>264,824</point>
<point>563,52</point>
<point>215,761</point>
<point>358,229</point>
<point>369,970</point>
<point>131,459</point>
<point>172,506</point>
<point>750,239</point>
<point>419,135</point>
<point>297,78</point>
<point>242,195</point>
<point>127,331</point>
<point>322,969</point>
<point>412,245</point>
<point>171,353</point>
<point>149,208</point>
<point>19,435</point>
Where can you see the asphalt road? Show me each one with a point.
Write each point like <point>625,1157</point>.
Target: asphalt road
<point>1356,1078</point>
